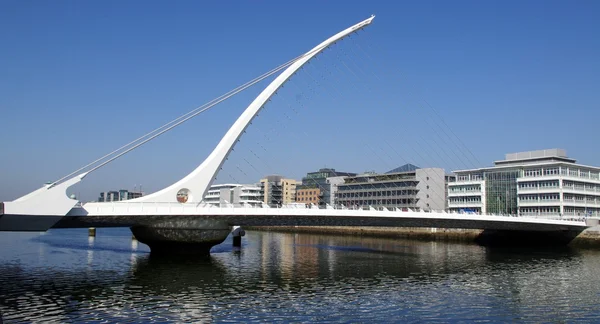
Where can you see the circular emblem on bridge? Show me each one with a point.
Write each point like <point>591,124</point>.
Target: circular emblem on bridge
<point>183,195</point>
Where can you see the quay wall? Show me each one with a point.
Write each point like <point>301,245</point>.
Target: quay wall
<point>590,238</point>
<point>418,233</point>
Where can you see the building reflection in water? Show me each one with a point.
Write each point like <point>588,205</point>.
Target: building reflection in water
<point>305,257</point>
<point>286,274</point>
<point>134,244</point>
<point>90,251</point>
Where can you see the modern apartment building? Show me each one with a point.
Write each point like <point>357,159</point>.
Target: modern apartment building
<point>120,195</point>
<point>236,194</point>
<point>535,183</point>
<point>315,187</point>
<point>277,191</point>
<point>309,196</point>
<point>333,187</point>
<point>405,187</point>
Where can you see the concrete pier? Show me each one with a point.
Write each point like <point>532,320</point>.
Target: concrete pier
<point>179,241</point>
<point>182,237</point>
<point>237,234</point>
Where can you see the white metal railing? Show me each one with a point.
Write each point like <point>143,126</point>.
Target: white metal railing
<point>464,202</point>
<point>538,189</point>
<point>537,201</point>
<point>465,182</point>
<point>583,189</point>
<point>585,177</point>
<point>462,192</point>
<point>174,208</point>
<point>582,201</point>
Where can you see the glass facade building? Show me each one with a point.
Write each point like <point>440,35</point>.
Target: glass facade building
<point>543,183</point>
<point>501,189</point>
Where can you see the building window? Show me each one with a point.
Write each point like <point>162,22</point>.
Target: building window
<point>533,173</point>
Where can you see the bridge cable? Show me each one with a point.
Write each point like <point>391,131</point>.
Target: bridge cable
<point>371,91</point>
<point>312,89</point>
<point>441,147</point>
<point>180,120</point>
<point>309,85</point>
<point>335,98</point>
<point>353,74</point>
<point>437,133</point>
<point>460,146</point>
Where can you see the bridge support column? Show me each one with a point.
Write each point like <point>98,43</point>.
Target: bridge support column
<point>237,234</point>
<point>182,237</point>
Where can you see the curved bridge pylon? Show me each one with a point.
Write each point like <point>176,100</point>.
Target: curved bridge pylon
<point>52,202</point>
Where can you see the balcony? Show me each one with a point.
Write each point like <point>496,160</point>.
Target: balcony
<point>539,189</point>
<point>539,178</point>
<point>533,203</point>
<point>250,194</point>
<point>581,203</point>
<point>581,178</point>
<point>378,197</point>
<point>465,182</point>
<point>465,204</point>
<point>465,193</point>
<point>342,188</point>
<point>543,215</point>
<point>581,189</point>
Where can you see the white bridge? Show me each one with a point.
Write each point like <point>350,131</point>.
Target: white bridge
<point>175,216</point>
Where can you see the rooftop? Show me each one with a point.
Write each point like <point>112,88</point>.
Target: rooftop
<point>536,156</point>
<point>532,159</point>
<point>231,185</point>
<point>404,168</point>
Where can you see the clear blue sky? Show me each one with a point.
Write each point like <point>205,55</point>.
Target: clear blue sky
<point>80,78</point>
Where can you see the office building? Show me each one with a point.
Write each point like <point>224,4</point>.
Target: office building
<point>236,194</point>
<point>333,186</point>
<point>536,183</point>
<point>316,189</point>
<point>405,187</point>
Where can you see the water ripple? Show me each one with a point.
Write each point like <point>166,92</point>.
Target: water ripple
<point>63,277</point>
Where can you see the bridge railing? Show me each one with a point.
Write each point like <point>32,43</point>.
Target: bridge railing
<point>174,208</point>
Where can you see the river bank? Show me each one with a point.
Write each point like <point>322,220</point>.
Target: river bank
<point>590,238</point>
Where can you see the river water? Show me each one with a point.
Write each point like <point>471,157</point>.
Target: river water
<point>64,276</point>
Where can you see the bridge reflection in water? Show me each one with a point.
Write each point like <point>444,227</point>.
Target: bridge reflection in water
<point>61,277</point>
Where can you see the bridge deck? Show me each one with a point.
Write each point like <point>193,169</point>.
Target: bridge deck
<point>502,223</point>
<point>110,215</point>
<point>121,214</point>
